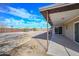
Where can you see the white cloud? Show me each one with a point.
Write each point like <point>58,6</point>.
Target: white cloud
<point>13,22</point>
<point>19,12</point>
<point>2,24</point>
<point>1,10</point>
<point>23,13</point>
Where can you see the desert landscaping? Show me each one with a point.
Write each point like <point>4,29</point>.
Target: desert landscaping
<point>23,43</point>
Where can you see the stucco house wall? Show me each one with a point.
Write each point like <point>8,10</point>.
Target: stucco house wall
<point>69,29</point>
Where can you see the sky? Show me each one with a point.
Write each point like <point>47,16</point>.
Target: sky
<point>22,15</point>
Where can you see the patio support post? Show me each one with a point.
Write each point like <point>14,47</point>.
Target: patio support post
<point>47,30</point>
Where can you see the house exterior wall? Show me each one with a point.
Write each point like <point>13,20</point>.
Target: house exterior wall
<point>69,29</point>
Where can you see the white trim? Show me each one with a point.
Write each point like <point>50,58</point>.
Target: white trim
<point>71,19</point>
<point>74,32</point>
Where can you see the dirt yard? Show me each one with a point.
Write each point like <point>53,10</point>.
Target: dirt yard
<point>31,48</point>
<point>36,46</point>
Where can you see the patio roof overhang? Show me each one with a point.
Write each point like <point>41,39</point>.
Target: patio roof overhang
<point>60,13</point>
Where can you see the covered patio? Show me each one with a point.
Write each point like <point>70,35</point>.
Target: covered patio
<point>62,17</point>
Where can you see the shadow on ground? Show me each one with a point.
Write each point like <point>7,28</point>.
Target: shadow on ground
<point>43,36</point>
<point>59,39</point>
<point>66,42</point>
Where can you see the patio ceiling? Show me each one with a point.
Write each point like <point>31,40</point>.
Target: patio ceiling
<point>60,13</point>
<point>61,17</point>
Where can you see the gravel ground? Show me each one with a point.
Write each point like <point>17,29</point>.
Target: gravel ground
<point>34,47</point>
<point>31,48</point>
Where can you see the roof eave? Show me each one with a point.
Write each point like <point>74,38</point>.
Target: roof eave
<point>53,6</point>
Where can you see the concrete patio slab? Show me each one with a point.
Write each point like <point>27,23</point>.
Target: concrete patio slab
<point>56,49</point>
<point>62,46</point>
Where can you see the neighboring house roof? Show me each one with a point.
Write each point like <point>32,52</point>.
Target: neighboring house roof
<point>60,13</point>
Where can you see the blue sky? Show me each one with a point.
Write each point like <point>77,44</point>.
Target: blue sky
<point>22,15</point>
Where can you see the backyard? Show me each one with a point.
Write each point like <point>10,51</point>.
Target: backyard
<point>23,43</point>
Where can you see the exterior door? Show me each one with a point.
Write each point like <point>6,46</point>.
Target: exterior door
<point>77,32</point>
<point>58,30</point>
